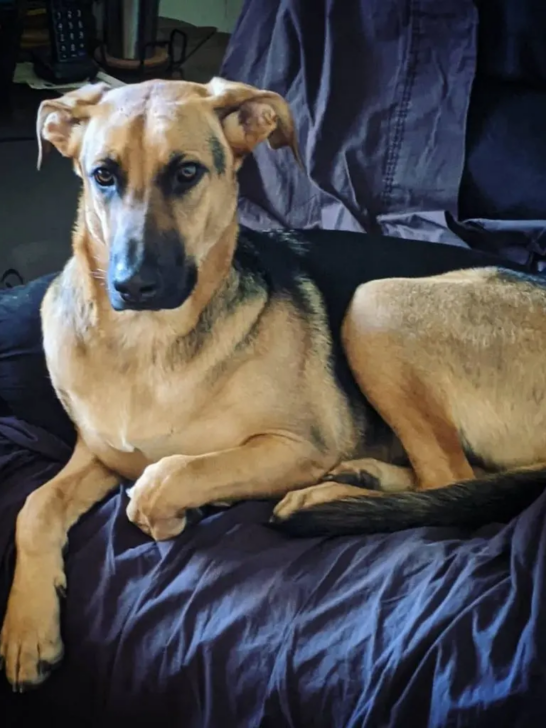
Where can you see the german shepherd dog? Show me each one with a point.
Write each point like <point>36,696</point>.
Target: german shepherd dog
<point>210,364</point>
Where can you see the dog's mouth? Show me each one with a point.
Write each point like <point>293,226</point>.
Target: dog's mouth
<point>156,290</point>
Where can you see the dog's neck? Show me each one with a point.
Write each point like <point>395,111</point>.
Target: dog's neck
<point>87,279</point>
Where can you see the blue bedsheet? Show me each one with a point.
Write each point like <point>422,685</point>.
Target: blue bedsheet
<point>233,624</point>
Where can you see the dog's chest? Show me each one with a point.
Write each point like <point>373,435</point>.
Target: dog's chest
<point>156,417</point>
<point>159,413</point>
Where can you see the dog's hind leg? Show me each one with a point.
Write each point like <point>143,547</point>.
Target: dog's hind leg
<point>350,479</point>
<point>30,643</point>
<point>390,364</point>
<point>317,495</point>
<point>373,474</point>
<point>390,339</point>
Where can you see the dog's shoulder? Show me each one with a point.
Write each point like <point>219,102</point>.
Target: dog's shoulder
<point>292,266</point>
<point>310,274</point>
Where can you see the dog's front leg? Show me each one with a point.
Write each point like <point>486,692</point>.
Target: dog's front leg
<point>30,644</point>
<point>266,466</point>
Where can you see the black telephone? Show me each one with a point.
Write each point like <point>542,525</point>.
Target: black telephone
<point>68,60</point>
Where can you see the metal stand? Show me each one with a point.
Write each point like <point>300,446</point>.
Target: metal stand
<point>145,66</point>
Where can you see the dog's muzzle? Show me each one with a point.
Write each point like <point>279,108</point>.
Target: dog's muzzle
<point>144,277</point>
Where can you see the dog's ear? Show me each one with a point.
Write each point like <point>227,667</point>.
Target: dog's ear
<point>250,116</point>
<point>60,120</point>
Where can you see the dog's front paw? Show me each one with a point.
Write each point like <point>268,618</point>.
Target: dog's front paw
<point>160,498</point>
<point>30,643</point>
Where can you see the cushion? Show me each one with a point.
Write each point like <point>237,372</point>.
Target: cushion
<point>25,388</point>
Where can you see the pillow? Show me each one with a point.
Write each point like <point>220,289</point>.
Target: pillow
<point>25,388</point>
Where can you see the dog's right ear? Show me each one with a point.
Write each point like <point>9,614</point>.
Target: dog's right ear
<point>60,120</point>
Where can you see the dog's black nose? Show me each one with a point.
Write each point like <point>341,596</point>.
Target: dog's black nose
<point>140,286</point>
<point>150,272</point>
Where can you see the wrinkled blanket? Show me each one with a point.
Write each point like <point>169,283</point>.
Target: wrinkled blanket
<point>233,624</point>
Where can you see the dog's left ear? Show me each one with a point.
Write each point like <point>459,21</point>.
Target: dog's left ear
<point>250,116</point>
<point>60,120</point>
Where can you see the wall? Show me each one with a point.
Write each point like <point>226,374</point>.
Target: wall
<point>221,14</point>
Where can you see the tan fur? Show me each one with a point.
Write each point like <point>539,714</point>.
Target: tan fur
<point>232,395</point>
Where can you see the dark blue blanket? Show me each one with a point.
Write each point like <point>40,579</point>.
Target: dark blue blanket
<point>405,111</point>
<point>233,624</point>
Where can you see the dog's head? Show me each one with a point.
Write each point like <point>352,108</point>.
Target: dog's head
<point>158,162</point>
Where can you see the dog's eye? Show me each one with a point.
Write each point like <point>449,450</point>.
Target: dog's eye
<point>187,172</point>
<point>104,177</point>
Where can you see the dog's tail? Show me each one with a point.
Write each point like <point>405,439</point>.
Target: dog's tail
<point>469,504</point>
